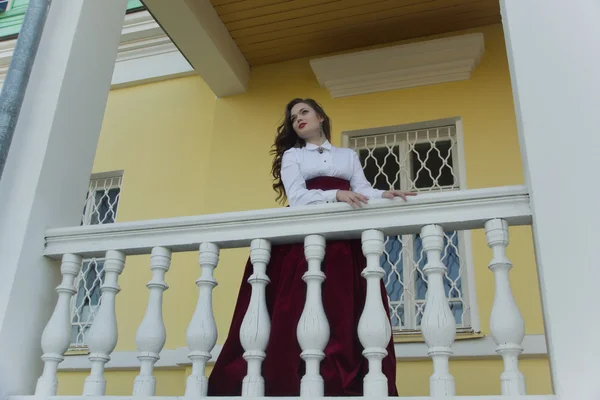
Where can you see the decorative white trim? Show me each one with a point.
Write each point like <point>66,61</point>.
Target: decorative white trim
<point>415,126</point>
<point>403,66</point>
<point>140,25</point>
<point>146,54</point>
<point>534,347</point>
<point>150,64</point>
<point>107,174</point>
<point>456,210</point>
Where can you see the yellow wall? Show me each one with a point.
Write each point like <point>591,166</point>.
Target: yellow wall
<point>185,152</point>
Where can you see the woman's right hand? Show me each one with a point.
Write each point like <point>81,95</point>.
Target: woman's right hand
<point>356,200</point>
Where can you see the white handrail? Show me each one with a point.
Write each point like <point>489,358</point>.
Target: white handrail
<point>459,210</point>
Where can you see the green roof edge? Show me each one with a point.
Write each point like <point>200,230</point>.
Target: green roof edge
<point>11,21</point>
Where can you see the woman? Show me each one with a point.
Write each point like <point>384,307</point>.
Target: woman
<point>307,169</point>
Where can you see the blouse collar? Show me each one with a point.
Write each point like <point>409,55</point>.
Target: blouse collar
<point>326,145</point>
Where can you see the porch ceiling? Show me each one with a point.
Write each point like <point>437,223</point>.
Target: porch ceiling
<point>222,39</point>
<point>268,31</point>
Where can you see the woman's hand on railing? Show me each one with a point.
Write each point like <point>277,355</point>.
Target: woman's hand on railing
<point>390,194</point>
<point>356,200</point>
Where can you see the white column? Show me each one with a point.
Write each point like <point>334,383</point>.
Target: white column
<point>57,334</point>
<point>202,332</point>
<point>48,170</point>
<point>506,323</point>
<point>374,330</point>
<point>553,58</point>
<point>102,336</point>
<point>151,334</point>
<point>256,326</point>
<point>313,327</point>
<point>438,324</point>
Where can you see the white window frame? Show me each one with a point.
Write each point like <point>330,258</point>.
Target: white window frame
<point>471,319</point>
<point>89,204</point>
<point>116,182</point>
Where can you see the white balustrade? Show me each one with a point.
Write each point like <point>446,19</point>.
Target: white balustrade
<point>103,335</point>
<point>438,324</point>
<point>56,337</point>
<point>452,210</point>
<point>313,327</point>
<point>374,330</point>
<point>151,334</point>
<point>256,326</point>
<point>506,323</point>
<point>202,330</point>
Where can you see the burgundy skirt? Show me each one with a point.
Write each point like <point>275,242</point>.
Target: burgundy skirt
<point>344,294</point>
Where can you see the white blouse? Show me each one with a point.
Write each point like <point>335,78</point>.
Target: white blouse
<point>301,164</point>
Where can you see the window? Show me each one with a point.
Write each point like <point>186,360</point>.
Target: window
<point>5,5</point>
<point>102,199</point>
<point>87,300</point>
<point>100,207</point>
<point>422,158</point>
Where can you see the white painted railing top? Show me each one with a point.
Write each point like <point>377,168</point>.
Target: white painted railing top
<point>459,210</point>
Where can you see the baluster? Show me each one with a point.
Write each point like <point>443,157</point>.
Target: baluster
<point>151,334</point>
<point>374,330</point>
<point>56,337</point>
<point>202,331</point>
<point>438,324</point>
<point>103,335</point>
<point>313,328</point>
<point>506,323</point>
<point>254,332</point>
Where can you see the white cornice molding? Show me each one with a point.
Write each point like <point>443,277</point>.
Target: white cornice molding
<point>454,210</point>
<point>140,25</point>
<point>398,67</point>
<point>534,346</point>
<point>146,54</point>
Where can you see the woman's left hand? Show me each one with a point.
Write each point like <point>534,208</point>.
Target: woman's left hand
<point>390,194</point>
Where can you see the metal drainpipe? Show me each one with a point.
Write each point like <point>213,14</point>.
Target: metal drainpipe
<point>17,78</point>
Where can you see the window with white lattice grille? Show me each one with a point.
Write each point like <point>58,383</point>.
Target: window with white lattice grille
<point>425,157</point>
<point>100,207</point>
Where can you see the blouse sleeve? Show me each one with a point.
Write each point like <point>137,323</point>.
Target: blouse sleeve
<point>295,185</point>
<point>359,182</point>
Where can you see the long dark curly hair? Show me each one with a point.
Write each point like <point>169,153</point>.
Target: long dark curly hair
<point>287,138</point>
